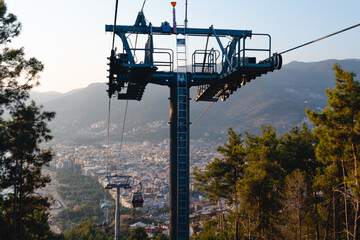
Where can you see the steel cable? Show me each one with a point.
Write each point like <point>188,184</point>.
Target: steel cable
<point>108,139</point>
<point>123,127</point>
<point>116,8</point>
<point>316,40</point>
<point>108,127</point>
<point>208,107</point>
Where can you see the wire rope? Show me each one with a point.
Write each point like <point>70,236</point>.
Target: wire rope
<point>186,14</point>
<point>123,127</point>
<point>136,39</point>
<point>208,107</point>
<point>316,40</point>
<point>113,40</point>
<point>142,8</point>
<point>109,105</point>
<point>108,139</point>
<point>127,101</point>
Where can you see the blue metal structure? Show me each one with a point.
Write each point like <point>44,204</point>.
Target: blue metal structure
<point>118,182</point>
<point>128,79</point>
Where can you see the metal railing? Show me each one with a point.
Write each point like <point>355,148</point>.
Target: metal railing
<point>208,61</point>
<point>240,58</point>
<point>150,56</point>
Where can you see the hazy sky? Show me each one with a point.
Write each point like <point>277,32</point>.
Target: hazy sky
<point>68,36</point>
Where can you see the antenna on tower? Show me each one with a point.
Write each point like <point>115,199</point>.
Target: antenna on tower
<point>173,4</point>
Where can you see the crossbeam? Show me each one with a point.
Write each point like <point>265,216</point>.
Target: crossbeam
<point>188,31</point>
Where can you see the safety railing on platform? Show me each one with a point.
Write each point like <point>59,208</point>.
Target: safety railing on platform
<point>158,57</point>
<point>204,61</point>
<point>241,57</point>
<point>162,62</point>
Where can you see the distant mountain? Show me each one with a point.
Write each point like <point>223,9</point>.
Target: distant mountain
<point>44,97</point>
<point>278,98</point>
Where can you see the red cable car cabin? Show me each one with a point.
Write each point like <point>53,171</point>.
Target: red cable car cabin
<point>137,200</point>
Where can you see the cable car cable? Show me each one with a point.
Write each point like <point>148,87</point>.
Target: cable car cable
<point>109,105</point>
<point>116,8</point>
<point>316,40</point>
<point>186,14</point>
<point>108,140</point>
<point>142,8</point>
<point>127,101</point>
<point>123,127</point>
<point>208,107</point>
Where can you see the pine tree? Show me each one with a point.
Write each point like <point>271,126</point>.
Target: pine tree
<point>23,127</point>
<point>337,129</point>
<point>297,157</point>
<point>295,204</point>
<point>219,180</point>
<point>262,185</point>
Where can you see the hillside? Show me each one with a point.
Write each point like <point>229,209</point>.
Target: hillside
<point>279,98</point>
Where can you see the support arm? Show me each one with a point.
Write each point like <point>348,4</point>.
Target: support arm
<point>222,49</point>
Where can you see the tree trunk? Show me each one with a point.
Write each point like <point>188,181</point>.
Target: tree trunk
<point>317,224</point>
<point>222,220</point>
<point>249,233</point>
<point>357,207</point>
<point>357,221</point>
<point>236,229</point>
<point>21,211</point>
<point>334,214</point>
<point>236,208</point>
<point>299,227</point>
<point>236,220</point>
<point>345,200</point>
<point>299,203</point>
<point>327,223</point>
<point>15,199</point>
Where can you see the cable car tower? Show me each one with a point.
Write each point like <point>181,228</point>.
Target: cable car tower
<point>119,182</point>
<point>129,78</point>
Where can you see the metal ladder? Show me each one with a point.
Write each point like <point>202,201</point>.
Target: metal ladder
<point>182,137</point>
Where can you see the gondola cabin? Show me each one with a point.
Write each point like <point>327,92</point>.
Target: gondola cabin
<point>137,200</point>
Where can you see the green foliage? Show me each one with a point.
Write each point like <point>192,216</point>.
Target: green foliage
<point>295,204</point>
<point>158,235</point>
<point>210,231</point>
<point>297,151</point>
<point>262,186</point>
<point>263,163</point>
<point>14,65</point>
<point>297,159</point>
<point>163,210</point>
<point>83,195</point>
<point>138,233</point>
<point>87,230</point>
<point>337,128</point>
<point>161,236</point>
<point>9,26</point>
<point>219,180</point>
<point>78,189</point>
<point>23,127</point>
